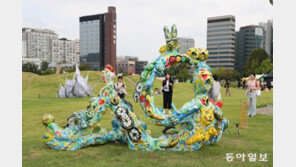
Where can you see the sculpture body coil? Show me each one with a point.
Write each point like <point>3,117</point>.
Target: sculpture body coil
<point>201,119</point>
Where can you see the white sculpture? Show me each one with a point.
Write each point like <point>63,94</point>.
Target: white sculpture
<point>77,87</point>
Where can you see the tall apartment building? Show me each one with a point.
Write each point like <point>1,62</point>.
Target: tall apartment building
<point>38,43</point>
<point>267,41</point>
<point>247,39</point>
<point>44,45</point>
<point>221,41</point>
<point>77,51</point>
<point>98,39</point>
<point>63,51</point>
<point>24,48</point>
<point>185,44</point>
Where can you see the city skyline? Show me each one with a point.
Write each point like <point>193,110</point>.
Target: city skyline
<point>139,33</point>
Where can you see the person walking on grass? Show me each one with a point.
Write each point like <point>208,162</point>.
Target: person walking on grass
<point>167,89</point>
<point>227,87</point>
<point>252,87</point>
<point>238,84</point>
<point>244,84</point>
<point>120,88</point>
<point>214,92</point>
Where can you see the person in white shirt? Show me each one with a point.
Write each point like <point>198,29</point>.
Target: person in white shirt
<point>214,92</point>
<point>252,87</point>
<point>120,88</point>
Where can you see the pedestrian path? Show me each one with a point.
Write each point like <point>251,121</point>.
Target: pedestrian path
<point>131,81</point>
<point>265,111</point>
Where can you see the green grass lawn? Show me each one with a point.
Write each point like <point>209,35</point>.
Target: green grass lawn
<point>257,138</point>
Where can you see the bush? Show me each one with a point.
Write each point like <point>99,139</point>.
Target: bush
<point>30,67</point>
<point>44,66</point>
<point>48,71</point>
<point>83,67</point>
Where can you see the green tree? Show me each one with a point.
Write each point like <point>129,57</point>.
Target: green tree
<point>265,67</point>
<point>180,71</point>
<point>44,66</point>
<point>254,60</point>
<point>271,2</point>
<point>227,74</point>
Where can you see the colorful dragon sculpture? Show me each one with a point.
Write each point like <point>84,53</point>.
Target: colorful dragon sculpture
<point>201,120</point>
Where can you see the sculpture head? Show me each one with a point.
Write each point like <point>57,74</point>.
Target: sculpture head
<point>109,74</point>
<point>170,37</point>
<point>206,115</point>
<point>47,119</point>
<point>198,54</point>
<point>202,78</point>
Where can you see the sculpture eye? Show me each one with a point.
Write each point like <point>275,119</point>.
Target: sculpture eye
<point>193,53</point>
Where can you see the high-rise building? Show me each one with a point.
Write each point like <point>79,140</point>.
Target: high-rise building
<point>221,41</point>
<point>77,50</point>
<point>185,44</point>
<point>98,39</point>
<point>63,51</point>
<point>267,41</point>
<point>43,45</point>
<point>24,48</point>
<point>38,43</point>
<point>247,39</point>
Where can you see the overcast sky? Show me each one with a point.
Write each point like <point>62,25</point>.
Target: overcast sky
<point>140,22</point>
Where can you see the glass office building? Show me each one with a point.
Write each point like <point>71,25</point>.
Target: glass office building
<point>98,39</point>
<point>247,39</point>
<point>221,41</point>
<point>91,47</point>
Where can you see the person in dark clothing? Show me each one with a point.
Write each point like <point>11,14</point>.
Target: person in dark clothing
<point>227,87</point>
<point>244,84</point>
<point>167,89</point>
<point>239,84</point>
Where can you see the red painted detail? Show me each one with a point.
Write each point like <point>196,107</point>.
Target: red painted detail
<point>202,101</point>
<point>172,59</point>
<point>204,76</point>
<point>219,104</point>
<point>211,100</point>
<point>101,102</point>
<point>142,98</point>
<point>147,103</point>
<point>58,132</point>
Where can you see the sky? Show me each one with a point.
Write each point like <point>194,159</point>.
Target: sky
<point>140,22</point>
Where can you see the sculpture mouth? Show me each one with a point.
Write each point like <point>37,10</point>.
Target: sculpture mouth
<point>208,119</point>
<point>204,76</point>
<point>208,81</point>
<point>193,54</point>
